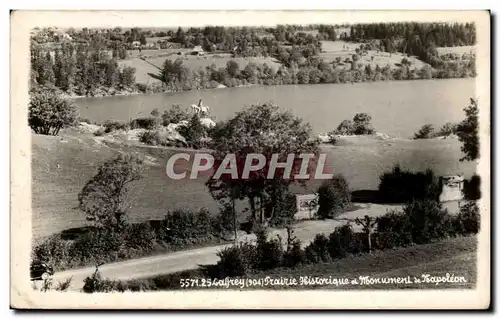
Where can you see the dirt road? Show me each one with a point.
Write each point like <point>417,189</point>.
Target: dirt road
<point>190,259</point>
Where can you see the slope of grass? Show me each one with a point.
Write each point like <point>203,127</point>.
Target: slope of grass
<point>192,62</point>
<point>55,189</point>
<point>331,50</point>
<point>457,50</point>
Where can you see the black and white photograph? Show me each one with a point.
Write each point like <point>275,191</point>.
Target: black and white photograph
<point>160,159</point>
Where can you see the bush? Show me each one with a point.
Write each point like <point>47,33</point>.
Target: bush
<point>53,251</point>
<point>346,127</point>
<point>96,283</point>
<point>161,137</point>
<point>235,261</point>
<point>468,220</point>
<point>48,112</point>
<point>97,246</point>
<point>269,253</point>
<point>140,236</point>
<point>447,130</point>
<point>183,227</point>
<point>294,256</point>
<point>147,123</point>
<point>317,250</point>
<point>174,115</point>
<point>343,241</point>
<point>362,124</point>
<point>425,132</point>
<point>429,221</point>
<point>393,230</point>
<point>151,138</point>
<point>472,188</point>
<point>224,221</point>
<point>285,208</point>
<point>334,197</point>
<point>110,126</point>
<point>193,132</point>
<point>400,186</point>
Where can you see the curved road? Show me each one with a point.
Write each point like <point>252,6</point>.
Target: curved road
<point>190,259</point>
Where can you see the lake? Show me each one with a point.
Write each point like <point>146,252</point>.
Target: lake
<point>397,108</point>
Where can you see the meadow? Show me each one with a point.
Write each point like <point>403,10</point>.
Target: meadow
<point>62,165</point>
<point>150,60</point>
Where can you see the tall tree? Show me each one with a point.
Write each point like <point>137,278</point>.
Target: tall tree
<point>468,132</point>
<point>105,198</point>
<point>265,130</point>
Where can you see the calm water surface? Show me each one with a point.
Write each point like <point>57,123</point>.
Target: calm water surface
<point>398,108</point>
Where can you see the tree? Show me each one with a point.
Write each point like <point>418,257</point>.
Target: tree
<point>49,112</point>
<point>233,68</point>
<point>425,132</point>
<point>127,77</point>
<point>334,197</point>
<point>362,124</point>
<point>468,132</point>
<point>193,132</point>
<point>259,129</point>
<point>104,198</point>
<point>142,39</point>
<point>346,127</point>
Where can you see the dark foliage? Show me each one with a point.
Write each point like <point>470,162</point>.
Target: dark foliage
<point>147,123</point>
<point>399,186</point>
<point>334,197</point>
<point>468,132</point>
<point>110,126</point>
<point>343,241</point>
<point>48,112</point>
<point>472,188</point>
<point>468,220</point>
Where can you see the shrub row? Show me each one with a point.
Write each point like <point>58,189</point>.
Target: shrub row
<point>420,222</point>
<point>179,229</point>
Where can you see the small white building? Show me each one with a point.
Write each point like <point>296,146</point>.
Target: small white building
<point>452,188</point>
<point>306,206</point>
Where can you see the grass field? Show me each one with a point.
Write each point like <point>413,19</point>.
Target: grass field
<point>457,50</point>
<point>456,256</point>
<point>62,165</point>
<point>155,61</point>
<point>331,50</point>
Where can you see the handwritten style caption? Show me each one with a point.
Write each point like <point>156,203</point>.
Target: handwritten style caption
<point>269,281</point>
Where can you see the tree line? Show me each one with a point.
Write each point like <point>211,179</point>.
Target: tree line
<point>80,70</point>
<point>414,39</point>
<point>178,77</point>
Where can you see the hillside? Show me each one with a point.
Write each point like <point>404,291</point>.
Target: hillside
<point>332,50</point>
<point>151,60</point>
<point>62,165</point>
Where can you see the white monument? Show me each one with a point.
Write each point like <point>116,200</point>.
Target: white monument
<point>452,188</point>
<point>306,206</point>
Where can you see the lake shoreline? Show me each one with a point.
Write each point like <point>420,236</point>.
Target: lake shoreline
<point>222,86</point>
